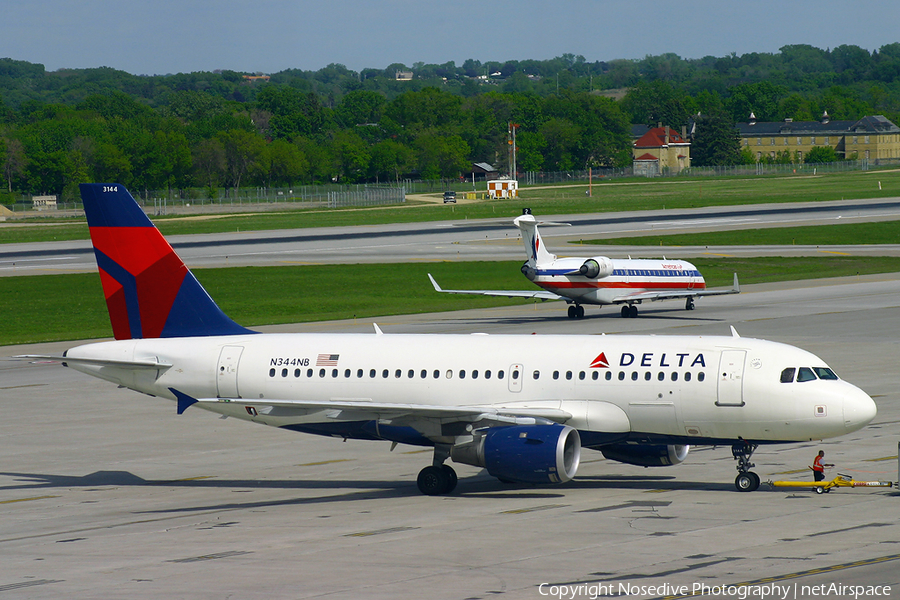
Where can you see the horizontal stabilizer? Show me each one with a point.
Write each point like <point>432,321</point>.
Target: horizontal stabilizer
<point>99,362</point>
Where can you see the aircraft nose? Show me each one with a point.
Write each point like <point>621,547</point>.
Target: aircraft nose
<point>859,410</point>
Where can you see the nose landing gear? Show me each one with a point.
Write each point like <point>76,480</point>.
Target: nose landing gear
<point>746,480</point>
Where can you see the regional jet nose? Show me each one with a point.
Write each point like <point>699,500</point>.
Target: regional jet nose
<point>859,409</point>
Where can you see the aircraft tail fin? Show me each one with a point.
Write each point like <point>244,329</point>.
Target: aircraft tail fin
<point>150,292</point>
<point>531,237</point>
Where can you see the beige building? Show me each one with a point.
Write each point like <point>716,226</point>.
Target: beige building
<point>870,138</point>
<point>660,150</point>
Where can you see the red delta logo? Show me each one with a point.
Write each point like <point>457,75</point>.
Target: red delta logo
<point>600,362</point>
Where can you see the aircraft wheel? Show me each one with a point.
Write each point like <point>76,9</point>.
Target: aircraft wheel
<point>433,481</point>
<point>632,311</point>
<point>746,482</point>
<point>572,313</point>
<point>452,479</point>
<point>689,304</point>
<point>625,313</point>
<point>579,312</point>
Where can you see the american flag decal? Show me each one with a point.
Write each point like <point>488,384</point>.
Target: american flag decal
<point>327,360</point>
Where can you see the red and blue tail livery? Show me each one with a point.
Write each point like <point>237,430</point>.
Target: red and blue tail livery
<point>150,292</point>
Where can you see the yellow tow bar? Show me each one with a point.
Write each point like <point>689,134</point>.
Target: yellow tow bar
<point>822,487</point>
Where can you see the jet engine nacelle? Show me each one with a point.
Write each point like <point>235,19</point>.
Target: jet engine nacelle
<point>656,455</point>
<point>524,453</point>
<point>596,268</point>
<point>529,272</point>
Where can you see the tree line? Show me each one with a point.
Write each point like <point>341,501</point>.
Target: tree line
<point>220,129</point>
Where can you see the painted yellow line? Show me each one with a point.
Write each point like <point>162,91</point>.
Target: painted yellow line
<point>880,459</point>
<point>519,511</point>
<point>196,478</point>
<point>325,462</point>
<point>27,499</point>
<point>715,254</point>
<point>835,252</point>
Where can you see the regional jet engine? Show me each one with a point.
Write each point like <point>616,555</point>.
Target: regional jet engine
<point>596,268</point>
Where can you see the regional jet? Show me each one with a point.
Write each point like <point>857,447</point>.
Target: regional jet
<point>599,279</point>
<point>520,406</point>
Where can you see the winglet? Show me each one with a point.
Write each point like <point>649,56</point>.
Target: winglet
<point>734,332</point>
<point>437,288</point>
<point>737,286</point>
<point>378,330</point>
<point>184,401</point>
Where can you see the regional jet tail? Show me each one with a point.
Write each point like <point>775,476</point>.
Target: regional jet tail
<point>599,279</point>
<point>520,406</point>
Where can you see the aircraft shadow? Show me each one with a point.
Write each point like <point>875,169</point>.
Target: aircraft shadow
<point>478,486</point>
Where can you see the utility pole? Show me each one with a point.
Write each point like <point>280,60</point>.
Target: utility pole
<point>511,140</point>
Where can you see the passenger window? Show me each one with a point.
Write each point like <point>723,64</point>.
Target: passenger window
<point>568,375</point>
<point>487,374</point>
<point>648,376</point>
<point>500,374</point>
<point>595,375</point>
<point>296,372</point>
<point>701,376</point>
<point>372,373</point>
<point>359,373</point>
<point>271,372</point>
<point>634,376</point>
<point>661,376</point>
<point>449,374</point>
<point>555,374</point>
<point>805,374</point>
<point>423,374</point>
<point>385,373</point>
<point>825,373</point>
<point>787,376</point>
<point>436,374</point>
<point>536,375</point>
<point>621,375</point>
<point>687,376</point>
<point>347,373</point>
<point>515,375</point>
<point>581,375</point>
<point>334,372</point>
<point>674,376</point>
<point>462,373</point>
<point>321,372</point>
<point>309,372</point>
<point>284,372</point>
<point>398,374</point>
<point>411,374</point>
<point>609,375</point>
<point>475,374</point>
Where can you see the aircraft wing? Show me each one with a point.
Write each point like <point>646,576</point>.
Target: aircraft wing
<point>670,295</point>
<point>539,294</point>
<point>356,409</point>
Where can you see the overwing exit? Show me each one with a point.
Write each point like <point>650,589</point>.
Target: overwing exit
<point>600,280</point>
<point>520,406</point>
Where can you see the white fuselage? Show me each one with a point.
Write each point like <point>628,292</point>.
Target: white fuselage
<point>674,389</point>
<point>629,277</point>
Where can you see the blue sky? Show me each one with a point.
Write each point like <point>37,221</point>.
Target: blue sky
<point>170,36</point>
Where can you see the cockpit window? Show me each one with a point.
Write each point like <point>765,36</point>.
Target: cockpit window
<point>787,376</point>
<point>805,374</point>
<point>825,373</point>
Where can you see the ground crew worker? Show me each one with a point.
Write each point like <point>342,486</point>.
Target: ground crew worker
<point>818,467</point>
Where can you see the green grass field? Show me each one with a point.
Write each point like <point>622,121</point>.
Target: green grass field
<point>618,195</point>
<point>67,307</point>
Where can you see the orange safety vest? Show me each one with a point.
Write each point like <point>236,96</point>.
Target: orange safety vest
<point>817,465</point>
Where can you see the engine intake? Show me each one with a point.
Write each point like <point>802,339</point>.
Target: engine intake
<point>524,453</point>
<point>596,268</point>
<point>646,455</point>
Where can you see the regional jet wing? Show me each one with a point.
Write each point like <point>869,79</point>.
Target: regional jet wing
<point>670,295</point>
<point>539,294</point>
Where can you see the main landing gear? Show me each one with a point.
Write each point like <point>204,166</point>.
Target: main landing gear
<point>629,311</point>
<point>689,304</point>
<point>747,480</point>
<point>438,479</point>
<point>576,311</point>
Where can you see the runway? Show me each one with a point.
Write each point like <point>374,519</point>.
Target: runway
<point>490,239</point>
<point>105,493</point>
